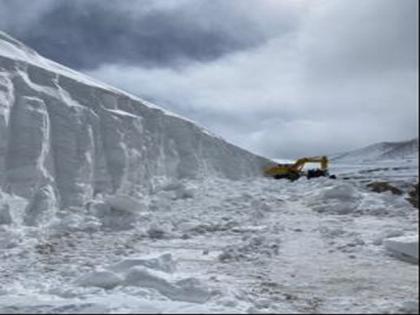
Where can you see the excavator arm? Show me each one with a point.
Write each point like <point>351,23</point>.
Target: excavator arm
<point>300,164</point>
<point>294,171</point>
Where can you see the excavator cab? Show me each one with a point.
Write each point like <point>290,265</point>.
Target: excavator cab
<point>293,171</point>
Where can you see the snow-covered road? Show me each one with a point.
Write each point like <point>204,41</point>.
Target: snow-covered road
<point>216,246</point>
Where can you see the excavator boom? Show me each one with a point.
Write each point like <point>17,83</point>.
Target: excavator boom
<point>295,170</point>
<point>300,164</point>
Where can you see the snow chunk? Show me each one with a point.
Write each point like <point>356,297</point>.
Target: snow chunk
<point>341,192</point>
<point>184,193</point>
<point>189,290</point>
<point>409,307</point>
<point>338,199</point>
<point>118,212</point>
<point>178,190</point>
<point>72,220</point>
<point>192,290</point>
<point>102,279</point>
<point>124,203</point>
<point>149,273</point>
<point>389,233</point>
<point>163,262</point>
<point>171,185</point>
<point>404,247</point>
<point>98,208</point>
<point>9,238</point>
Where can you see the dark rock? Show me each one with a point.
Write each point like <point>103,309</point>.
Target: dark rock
<point>414,196</point>
<point>380,187</point>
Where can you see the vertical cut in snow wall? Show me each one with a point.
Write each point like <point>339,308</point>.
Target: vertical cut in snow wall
<point>63,130</point>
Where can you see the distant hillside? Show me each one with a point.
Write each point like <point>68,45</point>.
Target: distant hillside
<point>381,151</point>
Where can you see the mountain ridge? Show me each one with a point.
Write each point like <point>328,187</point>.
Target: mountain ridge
<point>381,151</point>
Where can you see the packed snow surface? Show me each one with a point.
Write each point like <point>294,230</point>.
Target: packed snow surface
<point>243,246</point>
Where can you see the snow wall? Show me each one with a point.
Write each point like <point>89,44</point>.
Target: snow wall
<point>65,137</point>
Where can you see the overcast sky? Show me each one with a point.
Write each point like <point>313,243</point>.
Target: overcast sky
<point>282,78</point>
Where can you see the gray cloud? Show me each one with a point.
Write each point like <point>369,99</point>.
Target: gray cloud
<point>362,38</point>
<point>280,78</point>
<point>18,15</point>
<point>88,33</point>
<point>346,78</point>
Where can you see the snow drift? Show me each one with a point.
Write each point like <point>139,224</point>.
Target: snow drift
<point>65,138</point>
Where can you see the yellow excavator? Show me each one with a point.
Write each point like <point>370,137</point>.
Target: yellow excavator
<point>293,171</point>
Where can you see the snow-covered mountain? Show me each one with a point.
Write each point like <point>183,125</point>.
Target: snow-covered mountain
<point>381,151</point>
<point>65,137</point>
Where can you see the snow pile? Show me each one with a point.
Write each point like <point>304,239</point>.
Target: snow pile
<point>346,198</point>
<point>102,279</point>
<point>66,138</point>
<point>71,221</point>
<point>404,247</point>
<point>341,199</point>
<point>388,233</point>
<point>174,189</point>
<point>154,273</point>
<point>188,289</point>
<point>117,212</point>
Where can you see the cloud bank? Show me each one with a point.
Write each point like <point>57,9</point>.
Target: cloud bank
<point>280,78</point>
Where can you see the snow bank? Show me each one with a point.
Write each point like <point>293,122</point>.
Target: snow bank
<point>83,138</point>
